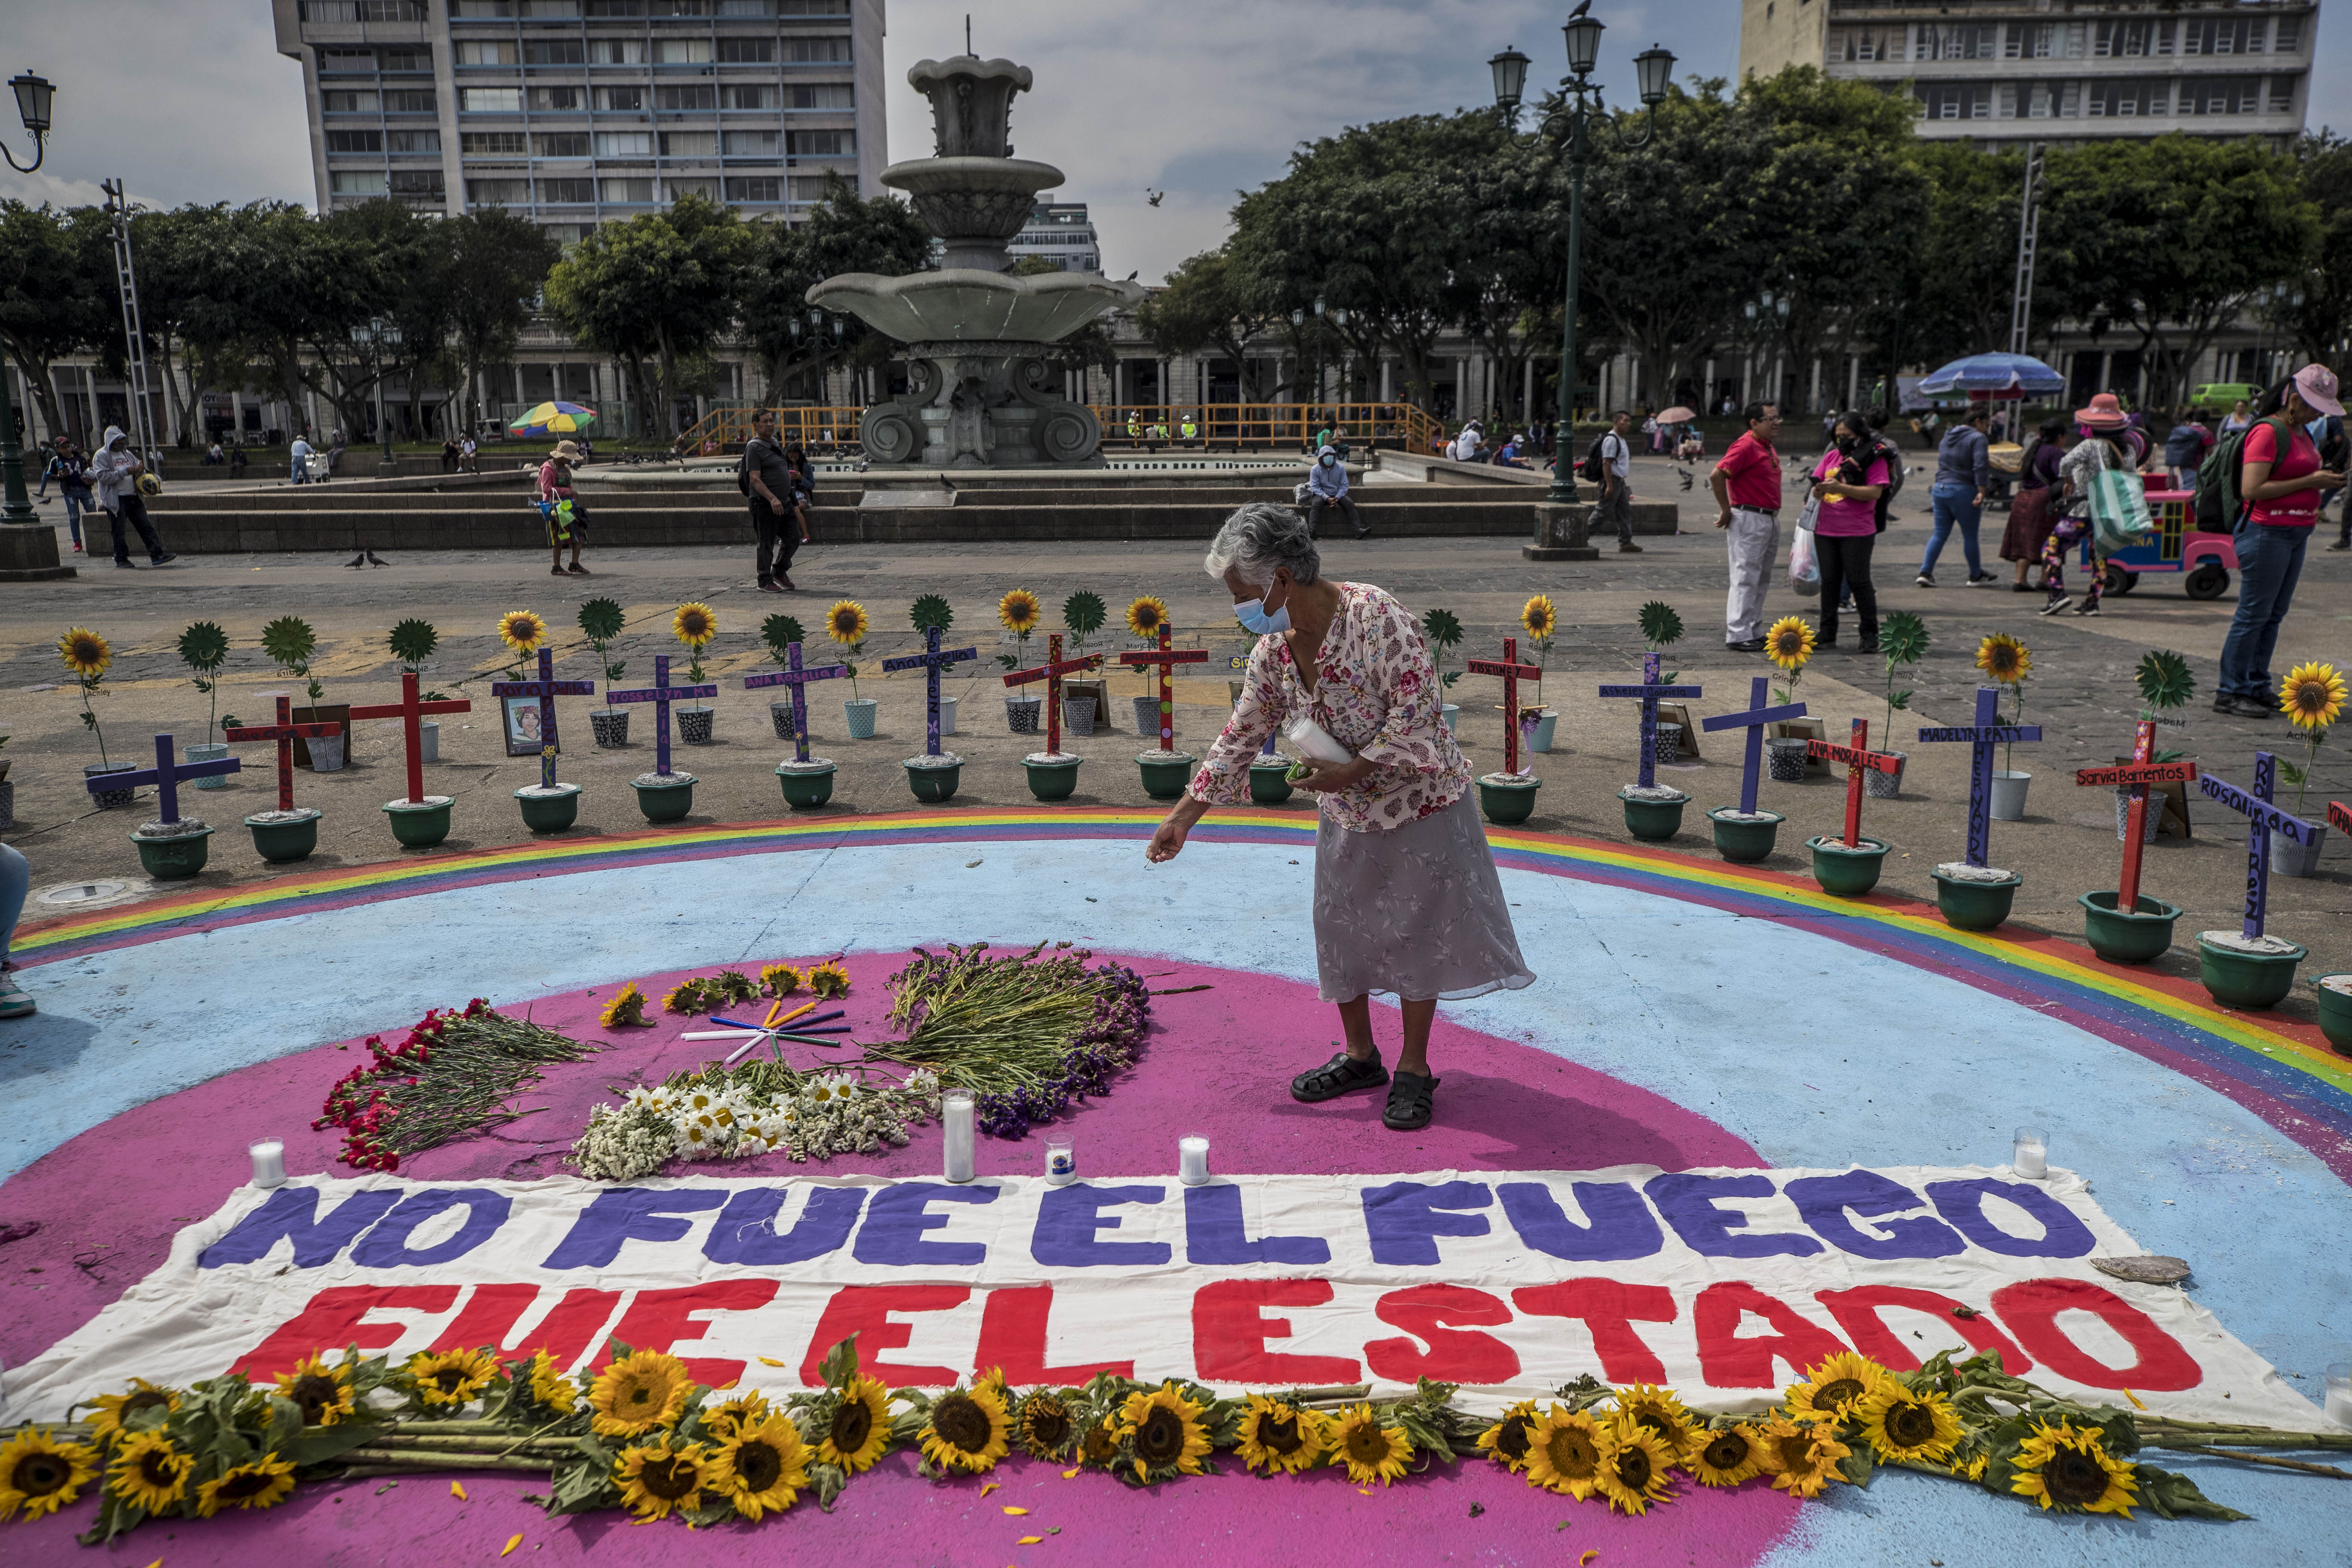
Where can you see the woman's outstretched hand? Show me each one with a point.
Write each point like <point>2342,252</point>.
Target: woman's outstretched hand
<point>1168,840</point>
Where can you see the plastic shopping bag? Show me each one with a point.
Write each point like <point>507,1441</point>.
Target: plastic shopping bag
<point>1804,568</point>
<point>2119,517</point>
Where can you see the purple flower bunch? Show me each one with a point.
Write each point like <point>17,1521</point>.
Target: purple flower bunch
<point>1107,1046</point>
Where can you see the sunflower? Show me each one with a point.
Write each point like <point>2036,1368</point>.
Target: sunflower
<point>745,1410</point>
<point>1538,617</point>
<point>1634,1464</point>
<point>1045,1426</point>
<point>2004,658</point>
<point>1147,617</point>
<point>643,1390</point>
<point>151,1472</point>
<point>627,1007</point>
<point>40,1474</point>
<point>1802,1456</point>
<point>860,1427</point>
<point>1098,1444</point>
<point>1790,643</point>
<point>2067,1468</point>
<point>1275,1436</point>
<point>845,622</point>
<point>548,1387</point>
<point>762,1467</point>
<point>967,1430</point>
<point>1974,1469</point>
<point>86,653</point>
<point>265,1483</point>
<point>1564,1453</point>
<point>827,981</point>
<point>1659,1411</point>
<point>1505,1442</point>
<point>693,623</point>
<point>1164,1430</point>
<point>2312,696</point>
<point>323,1393</point>
<point>1902,1424</point>
<point>781,980</point>
<point>1371,1451</point>
<point>521,630</point>
<point>1836,1386</point>
<point>1018,612</point>
<point>112,1418</point>
<point>658,1476</point>
<point>1725,1457</point>
<point>452,1377</point>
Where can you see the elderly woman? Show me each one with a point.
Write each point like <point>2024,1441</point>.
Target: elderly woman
<point>1406,897</point>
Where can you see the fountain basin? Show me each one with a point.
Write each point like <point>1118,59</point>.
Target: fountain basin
<point>966,306</point>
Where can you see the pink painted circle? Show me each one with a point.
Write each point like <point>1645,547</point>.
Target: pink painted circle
<point>1219,1062</point>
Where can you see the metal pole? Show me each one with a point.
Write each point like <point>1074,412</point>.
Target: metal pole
<point>2029,227</point>
<point>1563,467</point>
<point>17,506</point>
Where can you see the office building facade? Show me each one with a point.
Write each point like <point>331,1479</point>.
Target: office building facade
<point>1061,233</point>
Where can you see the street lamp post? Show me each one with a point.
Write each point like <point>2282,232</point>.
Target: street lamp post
<point>1570,125</point>
<point>1765,315</point>
<point>1318,356</point>
<point>29,547</point>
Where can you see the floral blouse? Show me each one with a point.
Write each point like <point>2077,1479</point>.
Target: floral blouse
<point>1378,695</point>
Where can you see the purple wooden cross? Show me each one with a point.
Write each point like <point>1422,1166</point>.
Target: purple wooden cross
<point>932,662</point>
<point>797,678</point>
<point>165,775</point>
<point>2262,819</point>
<point>661,694</point>
<point>1753,718</point>
<point>1982,736</point>
<point>1650,692</point>
<point>547,689</point>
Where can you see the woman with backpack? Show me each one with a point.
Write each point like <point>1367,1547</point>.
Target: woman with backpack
<point>2280,485</point>
<point>2029,513</point>
<point>1848,482</point>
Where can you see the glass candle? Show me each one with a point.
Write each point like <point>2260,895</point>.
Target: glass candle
<point>269,1162</point>
<point>2339,1392</point>
<point>1193,1160</point>
<point>1061,1162</point>
<point>956,1120</point>
<point>2032,1158</point>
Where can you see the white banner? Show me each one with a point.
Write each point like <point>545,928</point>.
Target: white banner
<point>1723,1283</point>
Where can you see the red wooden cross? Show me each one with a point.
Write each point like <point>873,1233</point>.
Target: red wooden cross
<point>1859,759</point>
<point>1513,672</point>
<point>1051,671</point>
<point>1167,659</point>
<point>2340,815</point>
<point>409,710</point>
<point>283,732</point>
<point>2139,773</point>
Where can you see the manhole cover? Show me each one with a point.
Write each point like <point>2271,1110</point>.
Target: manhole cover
<point>83,892</point>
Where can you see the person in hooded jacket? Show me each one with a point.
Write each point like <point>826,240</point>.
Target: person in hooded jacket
<point>1327,485</point>
<point>114,474</point>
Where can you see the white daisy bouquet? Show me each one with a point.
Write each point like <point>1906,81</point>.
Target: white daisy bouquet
<point>760,1107</point>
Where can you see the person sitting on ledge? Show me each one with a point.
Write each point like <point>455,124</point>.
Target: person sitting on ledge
<point>1406,897</point>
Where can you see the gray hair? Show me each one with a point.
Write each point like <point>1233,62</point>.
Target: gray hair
<point>1260,537</point>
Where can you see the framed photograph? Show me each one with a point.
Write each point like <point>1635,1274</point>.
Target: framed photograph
<point>521,718</point>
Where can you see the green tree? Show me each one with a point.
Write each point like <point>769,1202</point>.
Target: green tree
<point>1966,268</point>
<point>1203,307</point>
<point>659,288</point>
<point>52,300</point>
<point>493,265</point>
<point>843,233</point>
<point>2323,320</point>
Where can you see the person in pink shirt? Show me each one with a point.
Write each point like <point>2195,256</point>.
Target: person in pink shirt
<point>554,491</point>
<point>1746,486</point>
<point>1848,482</point>
<point>2280,484</point>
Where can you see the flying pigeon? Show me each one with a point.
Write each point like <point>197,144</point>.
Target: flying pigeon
<point>1153,195</point>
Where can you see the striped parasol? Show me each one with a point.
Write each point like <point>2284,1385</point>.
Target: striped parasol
<point>555,419</point>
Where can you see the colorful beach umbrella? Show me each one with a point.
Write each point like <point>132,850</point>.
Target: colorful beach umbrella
<point>554,419</point>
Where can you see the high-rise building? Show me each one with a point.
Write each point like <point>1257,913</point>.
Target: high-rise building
<point>578,111</point>
<point>2058,72</point>
<point>1062,233</point>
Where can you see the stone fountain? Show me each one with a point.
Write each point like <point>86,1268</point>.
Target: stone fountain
<point>983,392</point>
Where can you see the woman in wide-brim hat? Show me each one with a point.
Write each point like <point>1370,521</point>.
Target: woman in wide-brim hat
<point>2106,443</point>
<point>567,520</point>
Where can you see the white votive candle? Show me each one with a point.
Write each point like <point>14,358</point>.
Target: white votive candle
<point>269,1162</point>
<point>956,1117</point>
<point>2339,1392</point>
<point>2032,1158</point>
<point>1061,1162</point>
<point>1193,1160</point>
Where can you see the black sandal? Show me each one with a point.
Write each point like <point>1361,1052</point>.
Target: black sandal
<point>1409,1107</point>
<point>1343,1074</point>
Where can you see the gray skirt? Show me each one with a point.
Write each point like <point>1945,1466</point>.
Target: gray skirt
<point>1415,911</point>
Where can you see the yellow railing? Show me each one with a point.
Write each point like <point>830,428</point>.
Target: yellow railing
<point>1139,427</point>
<point>818,430</point>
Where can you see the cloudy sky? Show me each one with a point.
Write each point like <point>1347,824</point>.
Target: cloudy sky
<point>1199,100</point>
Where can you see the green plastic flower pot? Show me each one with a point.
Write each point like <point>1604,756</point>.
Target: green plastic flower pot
<point>1270,782</point>
<point>1506,799</point>
<point>934,778</point>
<point>2334,1010</point>
<point>1848,872</point>
<point>419,825</point>
<point>169,859</point>
<point>1974,906</point>
<point>664,797</point>
<point>806,785</point>
<point>281,840</point>
<point>1655,820</point>
<point>1051,778</point>
<point>1745,838</point>
<point>549,810</point>
<point>1165,774</point>
<point>2247,979</point>
<point>2132,936</point>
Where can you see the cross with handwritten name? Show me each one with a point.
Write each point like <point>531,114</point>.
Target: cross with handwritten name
<point>1512,671</point>
<point>283,732</point>
<point>2142,770</point>
<point>1982,736</point>
<point>1050,672</point>
<point>1753,718</point>
<point>661,694</point>
<point>165,775</point>
<point>547,689</point>
<point>933,663</point>
<point>1650,692</point>
<point>1859,759</point>
<point>1167,659</point>
<point>2262,819</point>
<point>797,678</point>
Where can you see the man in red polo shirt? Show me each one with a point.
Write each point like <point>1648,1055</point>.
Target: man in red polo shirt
<point>1746,486</point>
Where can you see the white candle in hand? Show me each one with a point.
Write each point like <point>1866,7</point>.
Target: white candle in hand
<point>956,1119</point>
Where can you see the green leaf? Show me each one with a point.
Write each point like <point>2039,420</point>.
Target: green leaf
<point>289,642</point>
<point>930,611</point>
<point>1661,626</point>
<point>780,632</point>
<point>840,1363</point>
<point>1859,1466</point>
<point>1900,701</point>
<point>1902,639</point>
<point>2291,773</point>
<point>1441,628</point>
<point>1083,613</point>
<point>413,641</point>
<point>601,620</point>
<point>2173,1496</point>
<point>2164,679</point>
<point>204,648</point>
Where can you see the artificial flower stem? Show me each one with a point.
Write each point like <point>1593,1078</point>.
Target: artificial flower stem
<point>2253,1460</point>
